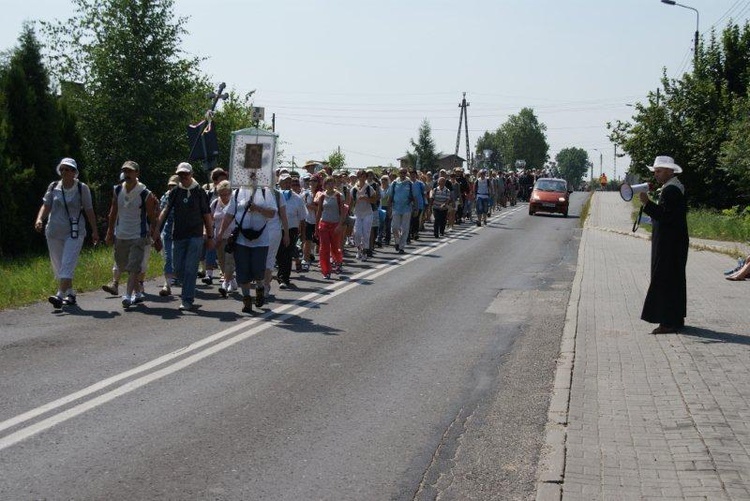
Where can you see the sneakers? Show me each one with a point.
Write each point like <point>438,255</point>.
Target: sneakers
<point>284,285</point>
<point>337,268</point>
<point>223,289</point>
<point>55,301</point>
<point>201,273</point>
<point>479,223</point>
<point>247,304</point>
<point>69,300</point>
<point>165,291</point>
<point>126,302</point>
<point>186,305</point>
<point>401,251</point>
<point>260,296</point>
<point>111,288</point>
<point>327,276</point>
<point>233,286</point>
<point>208,280</point>
<point>305,265</point>
<point>398,249</point>
<point>138,298</point>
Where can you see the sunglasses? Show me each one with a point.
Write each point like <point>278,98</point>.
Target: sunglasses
<point>181,174</point>
<point>67,169</point>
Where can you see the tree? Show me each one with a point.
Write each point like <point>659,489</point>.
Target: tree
<point>32,141</point>
<point>521,137</point>
<point>697,119</point>
<point>424,156</point>
<point>336,160</point>
<point>236,113</point>
<point>572,165</point>
<point>490,141</point>
<point>138,90</point>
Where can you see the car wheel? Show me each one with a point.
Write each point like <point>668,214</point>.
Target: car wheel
<point>565,214</point>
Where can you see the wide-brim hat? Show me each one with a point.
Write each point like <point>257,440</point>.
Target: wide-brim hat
<point>666,163</point>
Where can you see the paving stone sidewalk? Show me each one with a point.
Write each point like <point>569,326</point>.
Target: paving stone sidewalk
<point>644,416</point>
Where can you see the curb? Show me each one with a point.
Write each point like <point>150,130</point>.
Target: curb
<point>551,470</point>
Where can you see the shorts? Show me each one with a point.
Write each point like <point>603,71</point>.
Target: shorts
<point>250,263</point>
<point>309,231</point>
<point>129,254</point>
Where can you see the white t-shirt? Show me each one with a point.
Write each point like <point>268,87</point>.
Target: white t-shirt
<point>274,224</point>
<point>295,208</point>
<point>308,198</point>
<point>129,209</point>
<point>254,220</point>
<point>362,207</point>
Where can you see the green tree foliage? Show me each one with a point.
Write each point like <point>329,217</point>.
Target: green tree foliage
<point>424,154</point>
<point>336,160</point>
<point>521,137</point>
<point>235,113</point>
<point>572,165</point>
<point>33,141</point>
<point>138,90</point>
<point>490,141</point>
<point>697,119</point>
<point>734,159</point>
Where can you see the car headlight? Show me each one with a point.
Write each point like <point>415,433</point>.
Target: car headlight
<point>561,199</point>
<point>536,198</point>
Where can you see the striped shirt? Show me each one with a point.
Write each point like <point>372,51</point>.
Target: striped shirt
<point>440,197</point>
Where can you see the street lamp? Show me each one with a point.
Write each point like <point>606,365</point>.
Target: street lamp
<point>697,25</point>
<point>601,163</point>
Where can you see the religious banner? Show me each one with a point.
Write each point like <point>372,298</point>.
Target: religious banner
<point>252,159</point>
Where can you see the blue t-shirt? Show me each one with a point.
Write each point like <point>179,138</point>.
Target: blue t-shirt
<point>402,196</point>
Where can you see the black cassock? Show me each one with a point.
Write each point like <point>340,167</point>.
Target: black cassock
<point>666,300</point>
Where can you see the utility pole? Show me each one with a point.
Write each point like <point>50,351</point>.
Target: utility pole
<point>273,122</point>
<point>614,168</point>
<point>463,118</point>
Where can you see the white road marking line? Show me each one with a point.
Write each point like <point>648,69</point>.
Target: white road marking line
<point>302,305</point>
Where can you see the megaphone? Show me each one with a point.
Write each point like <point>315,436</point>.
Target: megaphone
<point>627,191</point>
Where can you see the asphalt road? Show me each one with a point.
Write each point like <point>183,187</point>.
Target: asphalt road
<point>414,377</point>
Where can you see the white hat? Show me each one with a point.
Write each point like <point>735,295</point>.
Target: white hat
<point>667,163</point>
<point>284,177</point>
<point>69,162</point>
<point>184,167</point>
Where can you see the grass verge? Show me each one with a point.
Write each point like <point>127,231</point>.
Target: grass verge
<point>29,279</point>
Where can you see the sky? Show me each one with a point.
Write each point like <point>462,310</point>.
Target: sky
<point>362,75</point>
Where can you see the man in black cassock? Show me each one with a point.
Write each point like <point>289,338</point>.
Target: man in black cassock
<point>666,300</point>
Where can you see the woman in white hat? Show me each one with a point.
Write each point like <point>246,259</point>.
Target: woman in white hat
<point>63,205</point>
<point>666,300</point>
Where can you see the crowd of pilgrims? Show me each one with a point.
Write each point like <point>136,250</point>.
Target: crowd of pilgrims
<point>241,239</point>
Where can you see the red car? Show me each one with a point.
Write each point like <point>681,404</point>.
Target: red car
<point>549,195</point>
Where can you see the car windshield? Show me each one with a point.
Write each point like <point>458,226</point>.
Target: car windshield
<point>551,185</point>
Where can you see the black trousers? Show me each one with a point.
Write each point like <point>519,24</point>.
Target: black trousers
<point>414,226</point>
<point>285,254</point>
<point>441,217</point>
